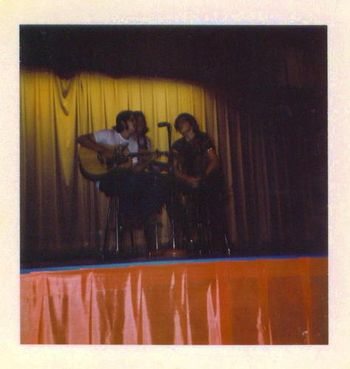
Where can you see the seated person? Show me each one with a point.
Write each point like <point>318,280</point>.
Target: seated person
<point>140,196</point>
<point>145,145</point>
<point>198,175</point>
<point>143,142</point>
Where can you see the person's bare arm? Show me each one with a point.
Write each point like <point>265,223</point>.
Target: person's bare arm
<point>191,181</point>
<point>213,162</point>
<point>89,142</point>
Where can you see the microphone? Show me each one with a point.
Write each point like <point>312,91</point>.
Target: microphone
<point>164,124</point>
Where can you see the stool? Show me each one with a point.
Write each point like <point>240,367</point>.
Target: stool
<point>197,214</point>
<point>121,223</point>
<point>113,214</point>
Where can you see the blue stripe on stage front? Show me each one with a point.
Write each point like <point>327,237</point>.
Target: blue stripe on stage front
<point>161,262</point>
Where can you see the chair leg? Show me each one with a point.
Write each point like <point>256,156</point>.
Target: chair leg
<point>203,225</point>
<point>227,244</point>
<point>197,225</point>
<point>106,235</point>
<point>156,231</point>
<point>131,234</point>
<point>208,226</point>
<point>112,213</point>
<point>116,224</point>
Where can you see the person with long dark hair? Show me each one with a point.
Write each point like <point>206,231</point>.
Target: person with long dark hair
<point>141,129</point>
<point>199,177</point>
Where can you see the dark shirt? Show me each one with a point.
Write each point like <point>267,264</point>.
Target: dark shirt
<point>192,155</point>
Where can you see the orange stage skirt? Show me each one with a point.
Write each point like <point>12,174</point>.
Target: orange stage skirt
<point>213,302</point>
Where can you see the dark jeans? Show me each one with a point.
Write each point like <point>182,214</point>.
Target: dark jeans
<point>205,203</point>
<point>141,195</point>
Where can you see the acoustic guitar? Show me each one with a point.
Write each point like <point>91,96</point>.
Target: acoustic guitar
<point>95,167</point>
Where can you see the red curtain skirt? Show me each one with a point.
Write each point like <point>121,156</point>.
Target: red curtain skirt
<point>262,301</point>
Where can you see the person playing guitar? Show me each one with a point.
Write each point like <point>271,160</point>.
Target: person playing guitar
<point>140,196</point>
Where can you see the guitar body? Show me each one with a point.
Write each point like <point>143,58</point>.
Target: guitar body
<point>92,166</point>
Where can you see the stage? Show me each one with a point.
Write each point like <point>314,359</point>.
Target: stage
<point>222,301</point>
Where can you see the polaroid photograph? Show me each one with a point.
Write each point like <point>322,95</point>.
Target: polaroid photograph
<point>174,199</point>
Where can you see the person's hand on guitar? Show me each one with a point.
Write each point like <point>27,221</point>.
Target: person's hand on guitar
<point>148,158</point>
<point>114,156</point>
<point>106,154</point>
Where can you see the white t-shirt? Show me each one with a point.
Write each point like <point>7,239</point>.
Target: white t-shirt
<point>112,138</point>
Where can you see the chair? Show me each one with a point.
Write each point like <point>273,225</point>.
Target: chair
<point>198,226</point>
<point>196,223</point>
<point>118,223</point>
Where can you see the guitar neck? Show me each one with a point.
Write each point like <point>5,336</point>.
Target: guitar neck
<point>147,153</point>
<point>122,151</point>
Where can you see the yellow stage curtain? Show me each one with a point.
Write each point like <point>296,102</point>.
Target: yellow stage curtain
<point>61,212</point>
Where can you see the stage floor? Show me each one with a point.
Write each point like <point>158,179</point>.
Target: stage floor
<point>260,300</point>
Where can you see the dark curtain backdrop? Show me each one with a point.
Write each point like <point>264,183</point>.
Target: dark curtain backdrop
<point>279,180</point>
<point>265,106</point>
